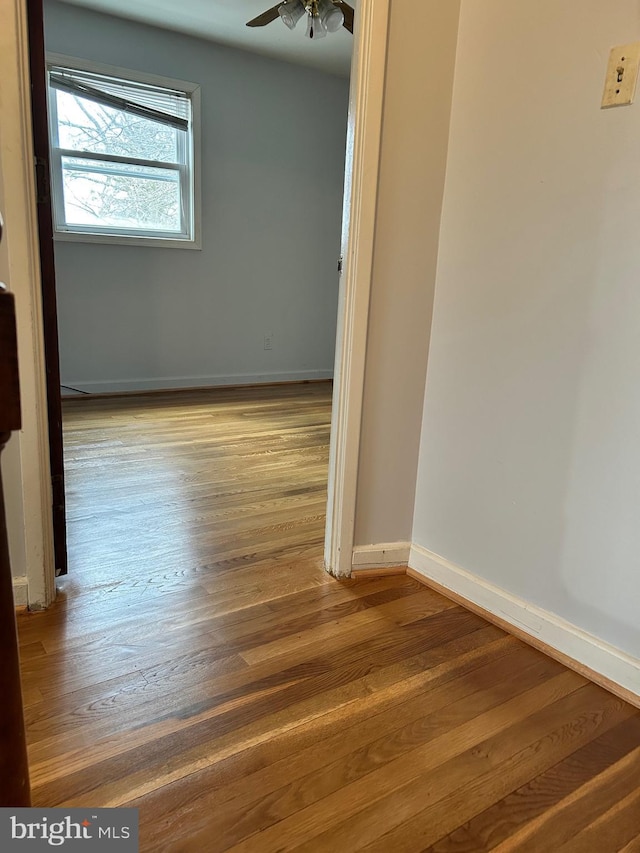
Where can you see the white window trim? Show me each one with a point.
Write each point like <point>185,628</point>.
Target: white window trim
<point>123,239</point>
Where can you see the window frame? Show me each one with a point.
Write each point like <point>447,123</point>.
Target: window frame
<point>190,165</point>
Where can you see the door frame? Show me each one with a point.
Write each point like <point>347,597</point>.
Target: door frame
<point>359,218</point>
<point>364,137</point>
<point>28,479</point>
<point>40,135</point>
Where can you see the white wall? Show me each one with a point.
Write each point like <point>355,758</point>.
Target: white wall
<point>422,44</point>
<point>530,454</point>
<point>273,139</point>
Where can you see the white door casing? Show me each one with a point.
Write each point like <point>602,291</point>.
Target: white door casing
<point>368,69</point>
<point>28,481</point>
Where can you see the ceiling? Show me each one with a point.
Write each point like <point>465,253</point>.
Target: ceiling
<point>224,21</point>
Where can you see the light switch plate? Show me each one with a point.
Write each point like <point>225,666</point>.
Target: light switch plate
<point>622,76</point>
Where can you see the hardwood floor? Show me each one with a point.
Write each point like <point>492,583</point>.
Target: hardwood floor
<point>200,665</point>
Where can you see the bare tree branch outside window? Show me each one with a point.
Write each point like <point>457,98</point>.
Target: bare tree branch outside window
<point>101,193</point>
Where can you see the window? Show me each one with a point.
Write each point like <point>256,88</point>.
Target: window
<point>122,157</point>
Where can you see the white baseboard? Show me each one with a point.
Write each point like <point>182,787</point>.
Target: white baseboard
<point>111,386</point>
<point>381,556</point>
<point>609,666</point>
<point>20,592</point>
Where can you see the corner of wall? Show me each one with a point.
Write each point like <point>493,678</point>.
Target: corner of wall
<point>417,107</point>
<point>599,661</point>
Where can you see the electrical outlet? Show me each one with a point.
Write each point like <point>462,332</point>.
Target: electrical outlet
<point>622,76</point>
<point>268,341</point>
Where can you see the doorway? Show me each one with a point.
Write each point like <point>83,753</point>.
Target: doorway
<point>139,311</point>
<point>364,131</point>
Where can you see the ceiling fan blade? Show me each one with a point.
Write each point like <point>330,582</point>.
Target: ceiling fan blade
<point>265,18</point>
<point>348,15</point>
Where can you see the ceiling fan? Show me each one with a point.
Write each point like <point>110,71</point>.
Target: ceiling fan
<point>323,16</point>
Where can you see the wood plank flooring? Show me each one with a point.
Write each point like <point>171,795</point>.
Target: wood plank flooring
<point>199,664</point>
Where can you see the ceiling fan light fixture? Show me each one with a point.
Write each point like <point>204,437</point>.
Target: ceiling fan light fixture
<point>331,15</point>
<point>291,11</point>
<point>323,16</point>
<point>315,27</point>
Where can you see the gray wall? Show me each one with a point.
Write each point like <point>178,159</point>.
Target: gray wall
<point>273,143</point>
<point>418,91</point>
<point>530,457</point>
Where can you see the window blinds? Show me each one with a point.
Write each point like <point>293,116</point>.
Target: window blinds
<point>165,106</point>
